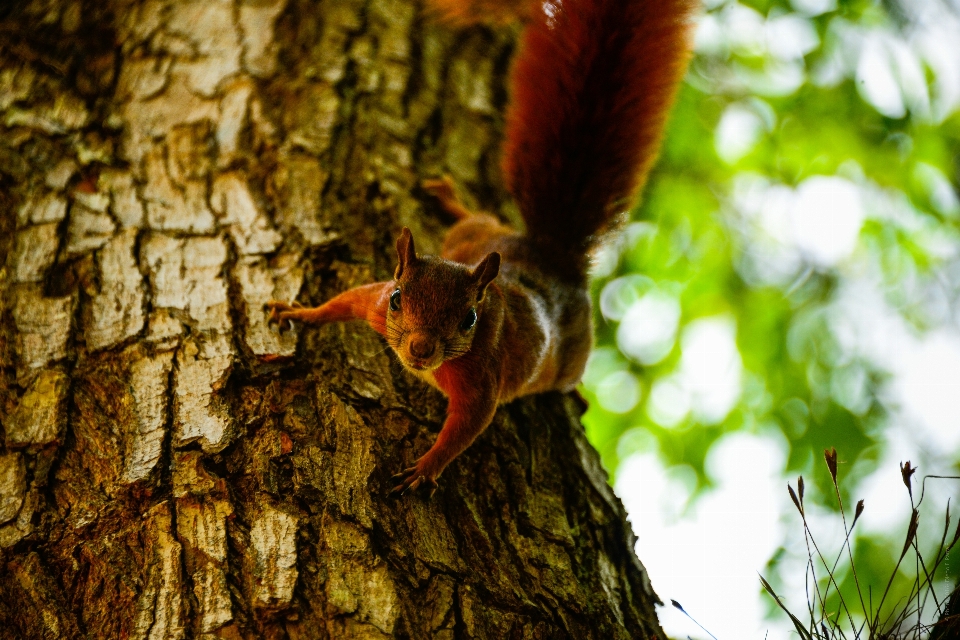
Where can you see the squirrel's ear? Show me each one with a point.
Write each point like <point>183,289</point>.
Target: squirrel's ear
<point>485,272</point>
<point>406,253</point>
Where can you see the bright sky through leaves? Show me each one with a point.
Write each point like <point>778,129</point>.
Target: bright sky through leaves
<point>790,283</point>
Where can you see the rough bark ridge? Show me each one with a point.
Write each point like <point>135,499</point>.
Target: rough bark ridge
<point>166,166</point>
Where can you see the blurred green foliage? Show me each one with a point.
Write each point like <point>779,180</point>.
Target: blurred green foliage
<point>795,113</point>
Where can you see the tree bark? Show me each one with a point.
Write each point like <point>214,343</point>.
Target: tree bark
<point>171,467</point>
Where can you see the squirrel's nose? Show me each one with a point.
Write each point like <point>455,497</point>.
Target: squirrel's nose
<point>422,347</point>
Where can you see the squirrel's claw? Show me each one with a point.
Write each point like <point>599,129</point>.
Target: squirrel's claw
<point>411,479</point>
<point>403,474</point>
<point>282,313</point>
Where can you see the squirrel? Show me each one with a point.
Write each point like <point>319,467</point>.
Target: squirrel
<point>502,313</point>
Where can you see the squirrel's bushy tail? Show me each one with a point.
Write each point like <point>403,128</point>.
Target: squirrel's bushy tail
<point>591,89</point>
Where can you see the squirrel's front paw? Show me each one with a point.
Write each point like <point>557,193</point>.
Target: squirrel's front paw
<point>416,476</point>
<point>282,313</point>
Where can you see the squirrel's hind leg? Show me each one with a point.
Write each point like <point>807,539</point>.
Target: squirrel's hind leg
<point>475,234</point>
<point>443,190</point>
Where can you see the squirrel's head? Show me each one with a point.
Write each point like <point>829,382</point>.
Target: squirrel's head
<point>436,305</point>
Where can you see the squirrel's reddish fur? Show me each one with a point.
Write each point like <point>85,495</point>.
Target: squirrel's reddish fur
<point>591,88</point>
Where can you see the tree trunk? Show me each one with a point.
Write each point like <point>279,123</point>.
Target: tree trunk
<point>170,466</point>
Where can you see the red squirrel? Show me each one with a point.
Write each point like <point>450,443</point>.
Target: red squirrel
<point>503,313</point>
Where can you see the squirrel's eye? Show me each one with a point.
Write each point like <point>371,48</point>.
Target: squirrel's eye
<point>469,321</point>
<point>395,300</point>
